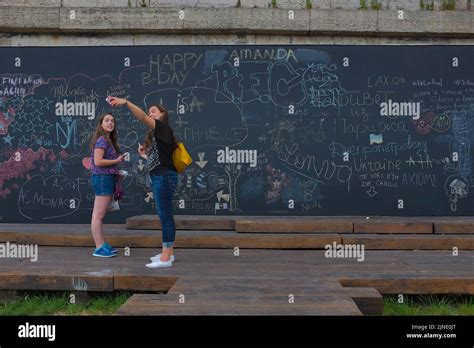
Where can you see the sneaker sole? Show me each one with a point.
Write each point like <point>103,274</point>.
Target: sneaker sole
<point>103,255</point>
<point>159,266</point>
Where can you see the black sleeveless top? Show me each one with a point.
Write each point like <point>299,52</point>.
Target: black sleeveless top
<point>160,154</point>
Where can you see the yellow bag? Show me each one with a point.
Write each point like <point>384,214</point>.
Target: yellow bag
<point>181,158</point>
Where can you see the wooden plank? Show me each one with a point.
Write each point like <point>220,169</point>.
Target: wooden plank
<point>11,237</point>
<point>280,225</point>
<point>255,270</point>
<point>454,226</point>
<point>144,283</point>
<point>368,300</point>
<point>214,304</point>
<point>190,239</point>
<point>416,286</point>
<point>243,299</point>
<point>55,239</point>
<point>392,226</point>
<point>133,309</point>
<point>55,228</point>
<point>256,241</point>
<point>10,295</point>
<point>223,285</point>
<point>183,222</point>
<point>411,242</point>
<point>78,282</point>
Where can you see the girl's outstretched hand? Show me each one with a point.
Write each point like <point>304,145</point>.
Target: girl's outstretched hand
<point>114,101</point>
<point>141,149</point>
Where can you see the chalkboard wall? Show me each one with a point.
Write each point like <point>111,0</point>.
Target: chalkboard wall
<point>273,130</point>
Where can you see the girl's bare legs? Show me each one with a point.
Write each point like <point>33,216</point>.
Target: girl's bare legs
<point>100,209</point>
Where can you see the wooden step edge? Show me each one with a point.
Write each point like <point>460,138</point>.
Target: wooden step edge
<point>249,226</point>
<point>74,282</point>
<point>412,242</point>
<point>129,309</point>
<point>188,222</point>
<point>368,299</point>
<point>415,286</point>
<point>453,228</point>
<point>390,227</point>
<point>248,241</point>
<point>6,236</point>
<point>144,283</point>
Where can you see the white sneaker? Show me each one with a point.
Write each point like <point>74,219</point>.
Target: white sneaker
<point>159,264</point>
<point>158,257</point>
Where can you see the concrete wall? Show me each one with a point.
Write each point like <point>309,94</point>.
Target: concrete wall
<point>214,39</point>
<point>283,4</point>
<point>128,22</point>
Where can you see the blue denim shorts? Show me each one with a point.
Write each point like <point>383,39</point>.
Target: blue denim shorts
<point>103,184</point>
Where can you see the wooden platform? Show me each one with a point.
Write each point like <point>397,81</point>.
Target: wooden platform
<point>311,224</point>
<point>119,235</point>
<point>215,281</point>
<point>281,269</point>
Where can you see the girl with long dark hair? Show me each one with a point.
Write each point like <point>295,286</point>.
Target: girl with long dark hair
<point>104,165</point>
<point>158,148</point>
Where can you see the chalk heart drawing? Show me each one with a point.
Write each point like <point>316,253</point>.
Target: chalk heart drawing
<point>87,162</point>
<point>55,197</point>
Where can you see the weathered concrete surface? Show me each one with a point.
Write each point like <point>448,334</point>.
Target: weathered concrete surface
<point>91,39</point>
<point>160,20</point>
<point>29,18</point>
<point>31,3</point>
<point>426,22</point>
<point>247,20</point>
<point>120,20</point>
<point>343,21</point>
<point>412,5</point>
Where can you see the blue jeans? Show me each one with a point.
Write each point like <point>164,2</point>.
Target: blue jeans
<point>163,188</point>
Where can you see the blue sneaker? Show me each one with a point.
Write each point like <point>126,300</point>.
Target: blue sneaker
<point>109,247</point>
<point>103,252</point>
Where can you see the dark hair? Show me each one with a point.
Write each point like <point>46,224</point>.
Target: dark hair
<point>99,131</point>
<point>151,132</point>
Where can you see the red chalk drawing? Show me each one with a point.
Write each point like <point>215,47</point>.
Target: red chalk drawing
<point>12,169</point>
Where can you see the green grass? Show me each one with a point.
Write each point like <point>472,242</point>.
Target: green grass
<point>429,305</point>
<point>375,5</point>
<point>57,303</point>
<point>449,5</point>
